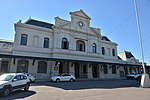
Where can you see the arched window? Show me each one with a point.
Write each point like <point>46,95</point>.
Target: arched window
<point>46,43</point>
<point>42,67</point>
<point>23,40</point>
<point>103,51</point>
<point>94,48</point>
<point>22,66</point>
<point>65,44</point>
<point>80,45</point>
<point>105,67</point>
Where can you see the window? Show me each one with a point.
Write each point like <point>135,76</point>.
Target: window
<point>108,51</point>
<point>23,39</point>
<point>113,52</point>
<point>42,67</point>
<point>65,44</point>
<point>80,45</point>
<point>103,51</point>
<point>114,71</point>
<point>23,77</point>
<point>22,66</point>
<point>105,69</point>
<point>17,77</point>
<point>94,48</point>
<point>66,75</point>
<point>46,42</point>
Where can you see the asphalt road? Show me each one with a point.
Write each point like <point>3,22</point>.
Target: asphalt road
<point>83,90</point>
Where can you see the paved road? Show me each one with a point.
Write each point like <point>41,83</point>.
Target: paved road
<point>83,90</point>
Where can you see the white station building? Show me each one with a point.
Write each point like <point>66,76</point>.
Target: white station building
<point>67,46</point>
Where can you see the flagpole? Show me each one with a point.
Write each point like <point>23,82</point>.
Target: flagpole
<point>139,34</point>
<point>145,81</point>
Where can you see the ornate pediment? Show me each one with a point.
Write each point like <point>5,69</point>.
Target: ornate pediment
<point>80,22</point>
<point>80,13</point>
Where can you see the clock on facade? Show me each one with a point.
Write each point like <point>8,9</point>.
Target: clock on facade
<point>80,24</point>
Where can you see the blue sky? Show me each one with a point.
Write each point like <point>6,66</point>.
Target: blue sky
<point>115,18</point>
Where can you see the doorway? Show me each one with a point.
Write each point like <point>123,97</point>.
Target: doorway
<point>61,68</point>
<point>76,68</point>
<point>95,71</point>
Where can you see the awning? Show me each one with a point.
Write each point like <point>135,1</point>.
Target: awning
<point>64,60</point>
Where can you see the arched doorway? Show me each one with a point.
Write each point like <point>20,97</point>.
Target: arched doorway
<point>95,71</point>
<point>22,66</point>
<point>61,68</point>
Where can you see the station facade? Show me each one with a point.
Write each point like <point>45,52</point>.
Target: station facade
<point>67,46</point>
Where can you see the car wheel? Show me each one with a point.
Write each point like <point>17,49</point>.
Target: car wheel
<point>57,80</point>
<point>27,87</point>
<point>6,92</point>
<point>71,80</point>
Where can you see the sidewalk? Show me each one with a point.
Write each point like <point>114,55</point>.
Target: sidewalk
<point>81,79</point>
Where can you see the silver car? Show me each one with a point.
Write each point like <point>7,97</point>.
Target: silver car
<point>31,78</point>
<point>63,77</point>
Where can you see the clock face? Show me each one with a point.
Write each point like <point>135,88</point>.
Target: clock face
<point>80,23</point>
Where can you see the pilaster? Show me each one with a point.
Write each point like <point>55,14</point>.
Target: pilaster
<point>89,71</point>
<point>71,68</point>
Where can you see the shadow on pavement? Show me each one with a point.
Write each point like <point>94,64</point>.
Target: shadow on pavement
<point>94,84</point>
<point>20,94</point>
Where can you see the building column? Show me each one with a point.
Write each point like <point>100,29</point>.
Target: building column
<point>14,62</point>
<point>31,67</point>
<point>128,69</point>
<point>0,64</point>
<point>55,68</point>
<point>71,68</point>
<point>89,71</point>
<point>99,68</point>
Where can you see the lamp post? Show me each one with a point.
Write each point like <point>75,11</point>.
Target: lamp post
<point>145,81</point>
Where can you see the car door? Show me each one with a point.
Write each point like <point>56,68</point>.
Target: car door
<point>23,80</point>
<point>65,77</point>
<point>16,82</point>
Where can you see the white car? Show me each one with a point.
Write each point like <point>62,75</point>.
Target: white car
<point>137,75</point>
<point>133,76</point>
<point>13,81</point>
<point>31,78</point>
<point>63,77</point>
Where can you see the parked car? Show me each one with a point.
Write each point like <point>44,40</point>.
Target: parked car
<point>63,77</point>
<point>137,76</point>
<point>10,82</point>
<point>133,76</point>
<point>31,78</point>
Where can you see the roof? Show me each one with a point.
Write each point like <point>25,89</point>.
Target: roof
<point>119,58</point>
<point>6,41</point>
<point>128,54</point>
<point>39,23</point>
<point>105,38</point>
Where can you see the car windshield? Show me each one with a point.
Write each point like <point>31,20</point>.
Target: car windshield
<point>6,77</point>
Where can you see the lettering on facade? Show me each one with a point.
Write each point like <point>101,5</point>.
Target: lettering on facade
<point>5,46</point>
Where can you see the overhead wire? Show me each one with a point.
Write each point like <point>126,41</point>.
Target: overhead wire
<point>127,19</point>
